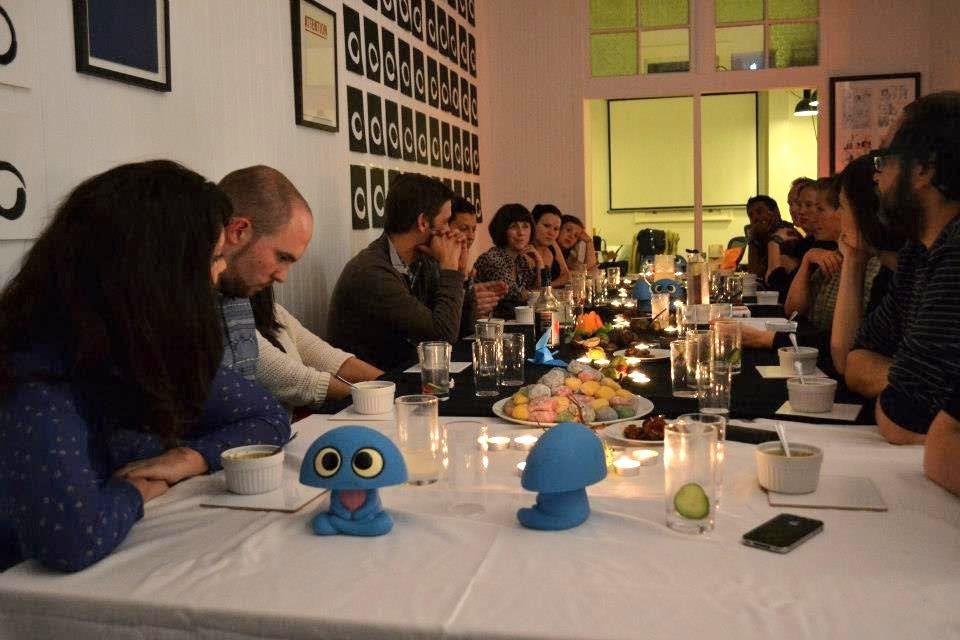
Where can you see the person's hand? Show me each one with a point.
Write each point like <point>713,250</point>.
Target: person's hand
<point>444,247</point>
<point>850,243</point>
<point>170,467</point>
<point>753,338</point>
<point>533,257</point>
<point>149,489</point>
<point>464,257</point>
<point>487,295</point>
<point>828,261</point>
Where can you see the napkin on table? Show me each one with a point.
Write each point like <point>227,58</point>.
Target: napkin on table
<point>542,353</point>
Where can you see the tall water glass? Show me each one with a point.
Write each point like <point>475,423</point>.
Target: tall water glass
<point>435,368</point>
<point>678,370</point>
<point>487,356</point>
<point>689,475</point>
<point>659,307</point>
<point>511,374</point>
<point>418,437</point>
<point>699,354</point>
<point>728,343</point>
<point>720,310</point>
<point>465,465</point>
<point>720,423</point>
<point>713,395</point>
<point>613,277</point>
<point>578,285</point>
<point>489,328</point>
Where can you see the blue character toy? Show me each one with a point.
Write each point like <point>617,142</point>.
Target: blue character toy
<point>565,460</point>
<point>674,287</point>
<point>353,462</point>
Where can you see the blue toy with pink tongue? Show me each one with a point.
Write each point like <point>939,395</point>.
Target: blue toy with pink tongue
<point>353,462</point>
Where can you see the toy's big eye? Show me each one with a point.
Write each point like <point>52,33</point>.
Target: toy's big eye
<point>367,463</point>
<point>671,288</point>
<point>327,462</point>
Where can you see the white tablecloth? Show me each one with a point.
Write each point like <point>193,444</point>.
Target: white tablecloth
<point>187,571</point>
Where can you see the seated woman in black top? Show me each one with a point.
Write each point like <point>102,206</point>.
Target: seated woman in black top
<point>546,229</point>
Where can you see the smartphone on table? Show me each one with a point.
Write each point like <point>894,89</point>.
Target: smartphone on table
<point>783,533</point>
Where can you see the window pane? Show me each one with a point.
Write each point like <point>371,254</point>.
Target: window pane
<point>665,50</point>
<point>613,54</point>
<point>612,14</point>
<point>739,11</point>
<point>729,148</point>
<point>794,45</point>
<point>788,9</point>
<point>740,48</point>
<point>664,13</point>
<point>651,153</point>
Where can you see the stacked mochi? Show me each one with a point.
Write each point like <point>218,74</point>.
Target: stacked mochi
<point>578,394</point>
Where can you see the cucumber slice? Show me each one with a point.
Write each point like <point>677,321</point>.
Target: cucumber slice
<point>692,502</point>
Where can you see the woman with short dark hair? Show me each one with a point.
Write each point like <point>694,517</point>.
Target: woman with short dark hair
<point>110,347</point>
<point>512,259</point>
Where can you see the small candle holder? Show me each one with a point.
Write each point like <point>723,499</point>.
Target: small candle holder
<point>520,467</point>
<point>584,360</point>
<point>645,457</point>
<point>601,362</point>
<point>626,467</point>
<point>525,442</point>
<point>498,443</point>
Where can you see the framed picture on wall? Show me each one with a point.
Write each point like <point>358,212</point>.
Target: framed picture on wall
<point>862,109</point>
<point>124,40</point>
<point>314,29</point>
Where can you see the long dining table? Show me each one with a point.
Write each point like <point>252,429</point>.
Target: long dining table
<point>187,571</point>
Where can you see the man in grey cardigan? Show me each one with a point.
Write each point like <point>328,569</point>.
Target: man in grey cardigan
<point>406,286</point>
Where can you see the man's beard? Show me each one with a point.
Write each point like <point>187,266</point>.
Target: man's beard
<point>234,287</point>
<point>901,211</point>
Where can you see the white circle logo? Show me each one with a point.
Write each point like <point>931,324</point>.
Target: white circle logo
<point>422,144</point>
<point>373,57</point>
<point>443,36</point>
<point>389,66</point>
<point>433,88</point>
<point>378,201</point>
<point>457,153</point>
<point>360,203</point>
<point>463,51</point>
<point>394,132</point>
<point>356,126</point>
<point>446,151</point>
<point>419,80</point>
<point>432,30</point>
<point>388,5</point>
<point>405,72</point>
<point>404,9</point>
<point>353,44</point>
<point>473,104</point>
<point>408,140</point>
<point>435,147</point>
<point>476,159</point>
<point>445,94</point>
<point>375,133</point>
<point>466,103</point>
<point>416,17</point>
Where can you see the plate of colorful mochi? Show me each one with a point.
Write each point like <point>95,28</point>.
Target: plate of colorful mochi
<point>578,393</point>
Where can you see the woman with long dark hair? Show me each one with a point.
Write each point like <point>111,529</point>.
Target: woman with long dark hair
<point>547,221</point>
<point>110,344</point>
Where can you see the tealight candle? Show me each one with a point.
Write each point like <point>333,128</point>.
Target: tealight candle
<point>584,360</point>
<point>633,360</point>
<point>524,443</point>
<point>625,466</point>
<point>521,466</point>
<point>601,362</point>
<point>498,443</point>
<point>645,456</point>
<point>639,377</point>
<point>670,329</point>
<point>615,303</point>
<point>627,281</point>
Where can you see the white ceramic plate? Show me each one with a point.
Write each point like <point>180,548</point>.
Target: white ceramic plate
<point>655,354</point>
<point>614,433</point>
<point>642,405</point>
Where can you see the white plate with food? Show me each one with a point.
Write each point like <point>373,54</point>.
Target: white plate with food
<point>654,354</point>
<point>615,433</point>
<point>640,404</point>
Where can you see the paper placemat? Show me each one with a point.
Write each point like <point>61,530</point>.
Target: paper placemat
<point>289,498</point>
<point>776,372</point>
<point>759,323</point>
<point>350,414</point>
<point>834,492</point>
<point>455,367</point>
<point>847,412</point>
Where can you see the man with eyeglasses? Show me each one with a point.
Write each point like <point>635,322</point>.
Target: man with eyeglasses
<point>907,353</point>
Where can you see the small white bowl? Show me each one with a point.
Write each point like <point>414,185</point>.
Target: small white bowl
<point>814,395</point>
<point>781,326</point>
<point>373,396</point>
<point>249,471</point>
<point>524,315</point>
<point>806,356</point>
<point>767,297</point>
<point>797,474</point>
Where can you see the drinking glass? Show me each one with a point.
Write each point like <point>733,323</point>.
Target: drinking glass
<point>435,368</point>
<point>659,306</point>
<point>678,370</point>
<point>713,394</point>
<point>418,437</point>
<point>489,328</point>
<point>465,464</point>
<point>720,310</point>
<point>689,475</point>
<point>613,277</point>
<point>728,342</point>
<point>511,374</point>
<point>487,358</point>
<point>698,356</point>
<point>720,422</point>
<point>735,288</point>
<point>578,286</point>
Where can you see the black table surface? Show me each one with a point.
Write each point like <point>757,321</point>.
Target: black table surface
<point>752,396</point>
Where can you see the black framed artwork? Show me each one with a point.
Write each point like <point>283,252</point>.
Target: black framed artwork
<point>436,149</point>
<point>447,152</point>
<point>454,93</point>
<point>474,116</point>
<point>394,139</point>
<point>378,197</point>
<point>314,38</point>
<point>444,88</point>
<point>476,201</point>
<point>465,100</point>
<point>352,41</point>
<point>475,149</point>
<point>419,77</point>
<point>464,49</point>
<point>452,46</point>
<point>408,136</point>
<point>406,70</point>
<point>431,15</point>
<point>467,152</point>
<point>371,3</point>
<point>124,40</point>
<point>472,52</point>
<point>457,149</point>
<point>375,125</point>
<point>472,12</point>
<point>433,82</point>
<point>388,9</point>
<point>458,188</point>
<point>462,8</point>
<point>403,14</point>
<point>468,192</point>
<point>423,139</point>
<point>389,59</point>
<point>360,209</point>
<point>357,122</point>
<point>371,41</point>
<point>443,39</point>
<point>416,18</point>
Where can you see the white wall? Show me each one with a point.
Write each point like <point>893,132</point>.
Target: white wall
<point>231,106</point>
<point>538,80</point>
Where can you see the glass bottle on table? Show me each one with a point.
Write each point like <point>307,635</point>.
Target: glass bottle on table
<point>698,279</point>
<point>547,316</point>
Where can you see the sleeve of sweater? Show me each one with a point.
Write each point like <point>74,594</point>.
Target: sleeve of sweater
<point>65,514</point>
<point>298,382</point>
<point>392,304</point>
<point>237,412</point>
